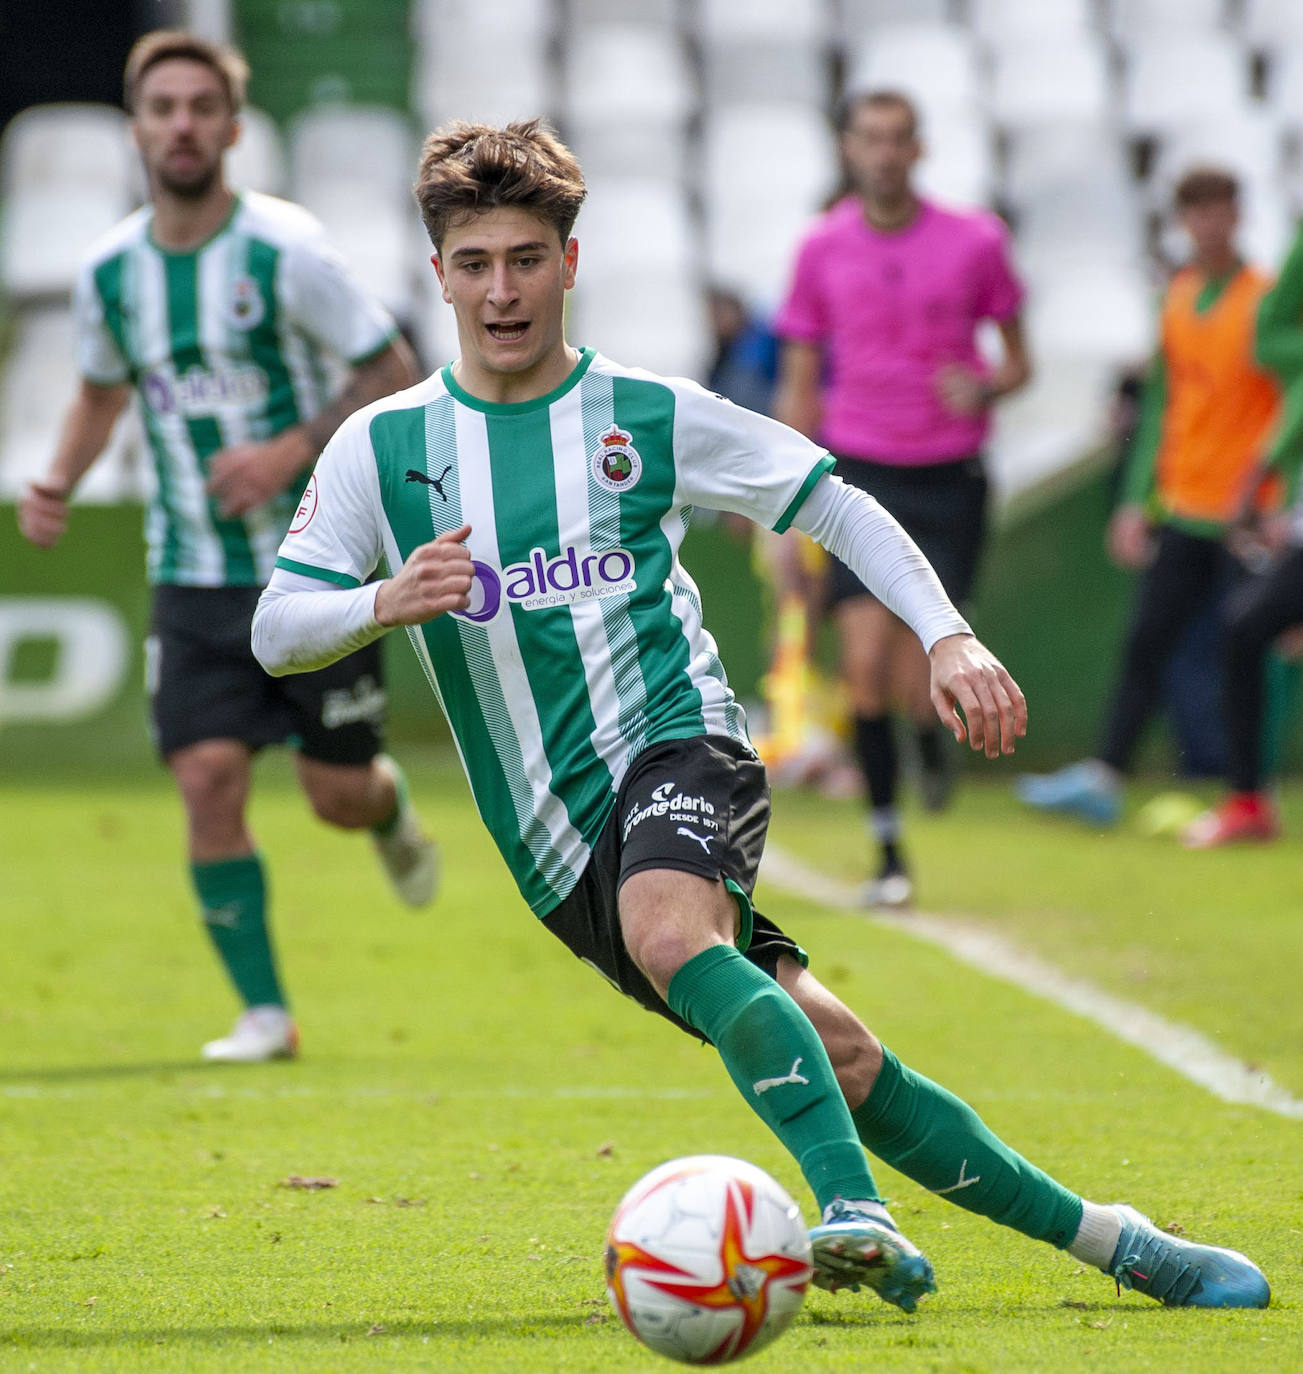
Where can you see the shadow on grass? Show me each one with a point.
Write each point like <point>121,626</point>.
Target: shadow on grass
<point>89,1073</point>
<point>490,1325</point>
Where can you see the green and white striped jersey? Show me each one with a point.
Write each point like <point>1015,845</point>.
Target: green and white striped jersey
<point>584,640</point>
<point>224,344</point>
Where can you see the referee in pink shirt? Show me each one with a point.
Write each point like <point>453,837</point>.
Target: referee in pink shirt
<point>880,364</point>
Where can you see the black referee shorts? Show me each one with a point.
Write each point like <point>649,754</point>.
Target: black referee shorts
<point>698,805</point>
<point>204,683</point>
<point>943,509</point>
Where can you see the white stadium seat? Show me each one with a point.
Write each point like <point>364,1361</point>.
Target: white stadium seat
<point>1165,16</point>
<point>856,19</point>
<point>1172,78</point>
<point>634,224</point>
<point>1041,160</point>
<point>1036,81</point>
<point>1001,23</point>
<point>936,64</point>
<point>646,319</point>
<point>66,174</point>
<point>740,70</point>
<point>958,164</point>
<point>795,22</point>
<point>1246,142</point>
<point>1285,85</point>
<point>475,75</point>
<point>257,161</point>
<point>1273,23</point>
<point>633,74</point>
<point>352,166</point>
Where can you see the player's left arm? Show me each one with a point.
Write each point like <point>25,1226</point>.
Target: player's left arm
<point>245,475</point>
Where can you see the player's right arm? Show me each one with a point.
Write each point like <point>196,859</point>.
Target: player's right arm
<point>43,509</point>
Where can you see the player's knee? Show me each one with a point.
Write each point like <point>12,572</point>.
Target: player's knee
<point>212,785</point>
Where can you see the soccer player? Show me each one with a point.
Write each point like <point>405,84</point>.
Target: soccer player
<point>218,309</point>
<point>1207,414</point>
<point>529,500</point>
<point>880,363</point>
<point>1271,604</point>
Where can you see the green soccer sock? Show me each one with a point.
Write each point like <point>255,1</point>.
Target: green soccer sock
<point>233,897</point>
<point>775,1057</point>
<point>937,1140</point>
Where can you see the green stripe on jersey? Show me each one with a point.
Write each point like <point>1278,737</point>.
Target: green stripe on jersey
<point>322,574</point>
<point>108,278</point>
<point>263,346</point>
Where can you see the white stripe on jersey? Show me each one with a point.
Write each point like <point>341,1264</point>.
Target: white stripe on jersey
<point>474,475</point>
<point>571,480</point>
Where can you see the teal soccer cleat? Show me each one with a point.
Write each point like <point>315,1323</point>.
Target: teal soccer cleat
<point>1085,791</point>
<point>1180,1273</point>
<point>853,1248</point>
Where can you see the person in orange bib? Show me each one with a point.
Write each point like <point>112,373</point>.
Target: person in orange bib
<point>1207,416</point>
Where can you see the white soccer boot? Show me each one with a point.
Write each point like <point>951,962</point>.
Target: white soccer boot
<point>260,1033</point>
<point>408,855</point>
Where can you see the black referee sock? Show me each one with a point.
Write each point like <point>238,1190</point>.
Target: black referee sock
<point>875,751</point>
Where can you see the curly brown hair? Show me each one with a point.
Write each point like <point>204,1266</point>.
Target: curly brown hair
<point>467,169</point>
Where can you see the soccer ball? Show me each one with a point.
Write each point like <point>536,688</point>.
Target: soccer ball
<point>707,1259</point>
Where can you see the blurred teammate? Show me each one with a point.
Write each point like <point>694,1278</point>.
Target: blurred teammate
<point>216,308</point>
<point>880,363</point>
<point>541,588</point>
<point>1208,411</point>
<point>1270,604</point>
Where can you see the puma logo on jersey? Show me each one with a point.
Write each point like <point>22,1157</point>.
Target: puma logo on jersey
<point>702,840</point>
<point>436,482</point>
<point>764,1084</point>
<point>963,1182</point>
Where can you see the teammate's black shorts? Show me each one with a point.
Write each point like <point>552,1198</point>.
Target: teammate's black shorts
<point>205,683</point>
<point>700,805</point>
<point>943,509</point>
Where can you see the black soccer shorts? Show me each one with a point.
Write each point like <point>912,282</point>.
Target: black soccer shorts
<point>698,805</point>
<point>204,683</point>
<point>943,509</point>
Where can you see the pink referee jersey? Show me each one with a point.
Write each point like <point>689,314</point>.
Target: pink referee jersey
<point>889,310</point>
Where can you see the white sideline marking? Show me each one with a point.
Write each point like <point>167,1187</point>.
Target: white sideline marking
<point>1182,1048</point>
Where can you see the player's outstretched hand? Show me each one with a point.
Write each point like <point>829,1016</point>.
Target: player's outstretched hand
<point>435,579</point>
<point>43,515</point>
<point>245,475</point>
<point>968,676</point>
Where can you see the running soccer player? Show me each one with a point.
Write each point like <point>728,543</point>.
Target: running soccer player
<point>217,309</point>
<point>540,586</point>
<point>1208,413</point>
<point>880,363</point>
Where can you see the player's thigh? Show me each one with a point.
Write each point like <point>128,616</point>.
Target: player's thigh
<point>867,633</point>
<point>912,677</point>
<point>343,794</point>
<point>855,1052</point>
<point>203,680</point>
<point>1267,606</point>
<point>338,712</point>
<point>668,917</point>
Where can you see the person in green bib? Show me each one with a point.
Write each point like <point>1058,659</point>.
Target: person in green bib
<point>219,310</point>
<point>528,502</point>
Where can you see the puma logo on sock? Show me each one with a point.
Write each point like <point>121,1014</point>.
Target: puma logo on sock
<point>764,1084</point>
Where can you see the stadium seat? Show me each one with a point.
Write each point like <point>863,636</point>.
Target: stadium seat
<point>610,151</point>
<point>1285,85</point>
<point>351,166</point>
<point>958,164</point>
<point>649,319</point>
<point>631,74</point>
<point>1164,16</point>
<point>65,177</point>
<point>1273,24</point>
<point>1040,79</point>
<point>743,70</point>
<point>472,74</point>
<point>38,384</point>
<point>1091,312</point>
<point>634,224</point>
<point>856,19</point>
<point>257,161</point>
<point>1247,142</point>
<point>1174,77</point>
<point>767,167</point>
<point>1043,161</point>
<point>580,14</point>
<point>1003,23</point>
<point>935,63</point>
<point>795,22</point>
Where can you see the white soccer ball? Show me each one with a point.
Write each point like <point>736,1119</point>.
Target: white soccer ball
<point>707,1259</point>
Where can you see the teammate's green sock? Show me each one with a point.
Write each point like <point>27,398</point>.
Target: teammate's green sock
<point>775,1057</point>
<point>937,1140</point>
<point>233,896</point>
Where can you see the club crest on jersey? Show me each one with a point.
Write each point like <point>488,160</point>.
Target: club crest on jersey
<point>617,465</point>
<point>246,308</point>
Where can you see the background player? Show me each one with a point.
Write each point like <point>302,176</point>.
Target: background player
<point>1208,413</point>
<point>880,363</point>
<point>542,591</point>
<point>217,309</point>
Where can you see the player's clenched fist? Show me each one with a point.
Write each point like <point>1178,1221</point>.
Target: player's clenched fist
<point>43,515</point>
<point>436,578</point>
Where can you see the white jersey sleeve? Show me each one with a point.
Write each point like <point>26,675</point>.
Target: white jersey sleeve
<point>99,359</point>
<point>335,534</point>
<point>728,458</point>
<point>329,305</point>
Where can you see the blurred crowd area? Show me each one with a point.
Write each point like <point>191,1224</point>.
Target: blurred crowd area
<point>704,129</point>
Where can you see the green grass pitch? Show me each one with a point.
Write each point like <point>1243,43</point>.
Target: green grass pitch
<point>483,1100</point>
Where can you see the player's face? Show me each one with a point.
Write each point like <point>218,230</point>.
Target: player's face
<point>1211,227</point>
<point>183,125</point>
<point>880,148</point>
<point>506,273</point>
